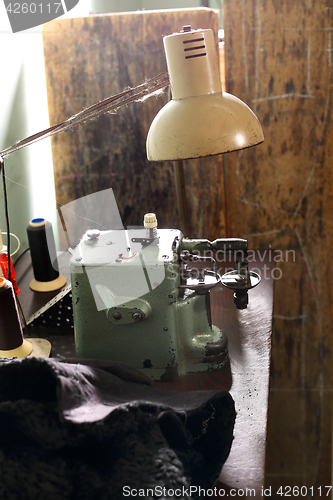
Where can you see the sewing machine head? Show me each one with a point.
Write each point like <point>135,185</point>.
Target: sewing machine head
<point>141,297</point>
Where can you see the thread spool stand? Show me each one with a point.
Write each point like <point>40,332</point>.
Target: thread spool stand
<point>12,343</point>
<point>43,257</point>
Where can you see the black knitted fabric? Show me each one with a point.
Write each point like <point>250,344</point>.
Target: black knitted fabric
<point>87,431</point>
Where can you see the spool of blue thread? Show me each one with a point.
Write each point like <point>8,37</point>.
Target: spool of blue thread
<point>43,257</point>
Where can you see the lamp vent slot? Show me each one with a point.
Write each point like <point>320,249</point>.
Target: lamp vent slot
<point>195,40</point>
<point>196,55</point>
<point>196,47</point>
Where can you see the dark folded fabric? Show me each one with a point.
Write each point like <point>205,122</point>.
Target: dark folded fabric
<point>101,430</point>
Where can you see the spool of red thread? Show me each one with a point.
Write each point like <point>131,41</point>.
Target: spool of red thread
<point>12,343</point>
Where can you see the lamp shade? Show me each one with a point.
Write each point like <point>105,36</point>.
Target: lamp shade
<point>200,120</point>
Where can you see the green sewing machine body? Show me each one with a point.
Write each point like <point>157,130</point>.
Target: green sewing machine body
<point>145,301</point>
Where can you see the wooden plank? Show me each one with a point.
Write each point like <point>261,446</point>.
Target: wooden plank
<point>279,61</point>
<point>89,59</point>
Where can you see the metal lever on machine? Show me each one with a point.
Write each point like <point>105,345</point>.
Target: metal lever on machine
<point>240,284</point>
<point>198,277</point>
<point>241,279</point>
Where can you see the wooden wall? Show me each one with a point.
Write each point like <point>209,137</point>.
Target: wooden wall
<point>279,58</point>
<point>89,59</point>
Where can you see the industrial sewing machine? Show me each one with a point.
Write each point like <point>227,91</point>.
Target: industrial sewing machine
<point>142,297</point>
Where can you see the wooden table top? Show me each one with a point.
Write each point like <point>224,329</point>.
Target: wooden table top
<point>246,376</point>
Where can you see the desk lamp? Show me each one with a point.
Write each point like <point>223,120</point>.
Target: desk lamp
<point>200,120</point>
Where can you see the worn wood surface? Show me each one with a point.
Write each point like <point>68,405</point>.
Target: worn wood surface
<point>89,59</point>
<point>279,195</point>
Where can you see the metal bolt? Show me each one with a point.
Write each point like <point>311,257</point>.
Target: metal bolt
<point>78,259</point>
<point>117,315</point>
<point>93,234</point>
<point>185,256</point>
<point>241,299</point>
<point>137,316</point>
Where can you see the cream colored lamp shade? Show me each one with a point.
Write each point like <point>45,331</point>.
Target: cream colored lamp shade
<point>200,120</point>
